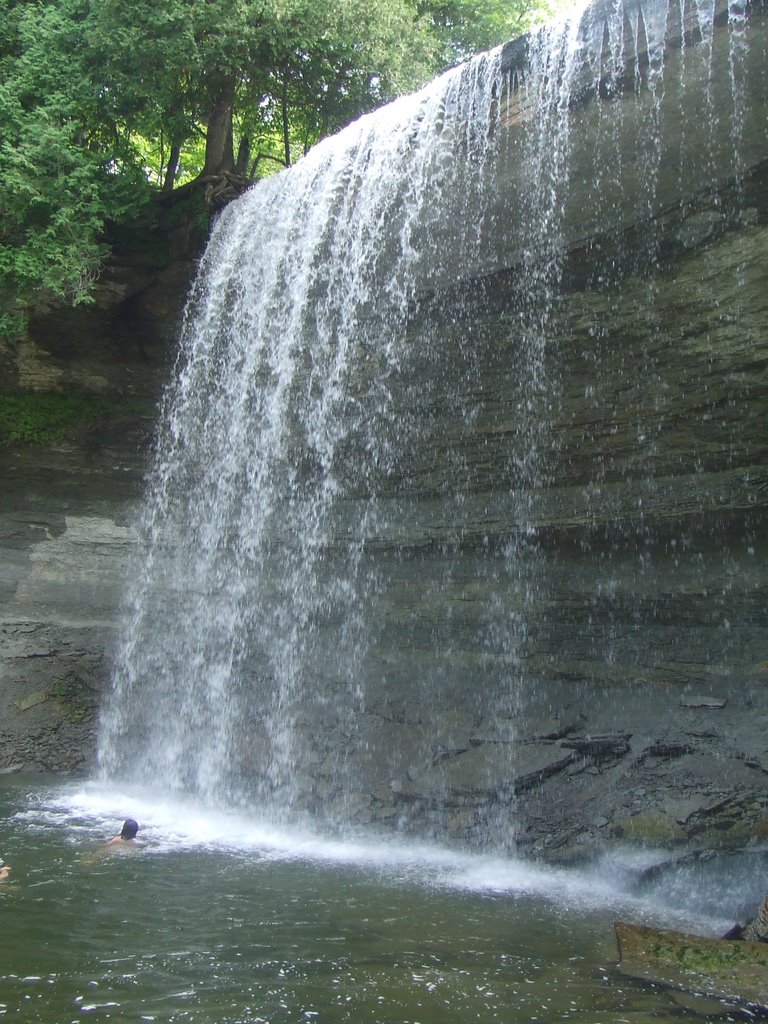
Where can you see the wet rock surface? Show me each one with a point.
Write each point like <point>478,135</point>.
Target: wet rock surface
<point>67,506</point>
<point>637,711</point>
<point>733,971</point>
<point>630,583</point>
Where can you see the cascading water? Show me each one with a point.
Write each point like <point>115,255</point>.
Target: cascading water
<point>338,595</point>
<point>281,434</point>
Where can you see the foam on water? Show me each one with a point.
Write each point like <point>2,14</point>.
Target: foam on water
<point>91,812</point>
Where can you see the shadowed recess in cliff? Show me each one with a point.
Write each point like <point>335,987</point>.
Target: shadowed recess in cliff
<point>334,601</point>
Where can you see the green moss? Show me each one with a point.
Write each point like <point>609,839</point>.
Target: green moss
<point>74,696</point>
<point>652,827</point>
<point>727,968</point>
<point>39,419</point>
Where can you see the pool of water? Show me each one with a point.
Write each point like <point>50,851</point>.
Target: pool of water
<point>223,919</point>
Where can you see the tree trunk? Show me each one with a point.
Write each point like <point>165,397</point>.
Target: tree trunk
<point>171,168</point>
<point>219,149</point>
<point>243,156</point>
<point>286,123</point>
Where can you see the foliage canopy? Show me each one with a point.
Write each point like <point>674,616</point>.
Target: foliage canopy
<point>105,104</point>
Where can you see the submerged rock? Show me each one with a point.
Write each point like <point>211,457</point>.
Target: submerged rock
<point>717,967</point>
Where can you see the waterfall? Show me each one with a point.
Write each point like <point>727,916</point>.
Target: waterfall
<point>280,435</point>
<point>332,606</point>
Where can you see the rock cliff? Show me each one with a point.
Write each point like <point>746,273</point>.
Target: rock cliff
<point>643,660</point>
<point>68,503</point>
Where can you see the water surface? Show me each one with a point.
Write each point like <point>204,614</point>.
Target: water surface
<point>225,919</point>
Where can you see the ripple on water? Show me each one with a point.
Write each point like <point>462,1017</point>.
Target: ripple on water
<point>224,918</point>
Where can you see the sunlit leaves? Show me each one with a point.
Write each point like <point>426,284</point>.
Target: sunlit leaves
<point>104,101</point>
<point>60,167</point>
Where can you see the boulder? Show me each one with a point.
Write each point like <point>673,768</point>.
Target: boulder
<point>757,929</point>
<point>716,967</point>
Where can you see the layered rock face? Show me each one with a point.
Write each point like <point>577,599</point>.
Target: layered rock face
<point>571,645</point>
<point>636,703</point>
<point>67,507</point>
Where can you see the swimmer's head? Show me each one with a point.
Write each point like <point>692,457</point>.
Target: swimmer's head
<point>129,830</point>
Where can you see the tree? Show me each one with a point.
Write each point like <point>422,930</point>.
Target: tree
<point>464,27</point>
<point>63,171</point>
<point>104,103</point>
<point>234,70</point>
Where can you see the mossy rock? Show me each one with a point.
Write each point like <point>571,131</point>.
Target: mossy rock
<point>653,828</point>
<point>37,419</point>
<point>76,699</point>
<point>33,700</point>
<point>727,969</point>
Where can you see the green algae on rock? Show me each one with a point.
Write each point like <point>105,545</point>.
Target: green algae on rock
<point>725,968</point>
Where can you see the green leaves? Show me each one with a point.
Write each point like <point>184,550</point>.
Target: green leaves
<point>464,27</point>
<point>39,419</point>
<point>59,171</point>
<point>104,101</point>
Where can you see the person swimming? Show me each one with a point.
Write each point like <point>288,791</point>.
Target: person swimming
<point>124,842</point>
<point>127,836</point>
<point>5,870</point>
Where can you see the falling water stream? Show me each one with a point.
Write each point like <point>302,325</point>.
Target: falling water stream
<point>294,676</point>
<point>283,428</point>
<point>323,614</point>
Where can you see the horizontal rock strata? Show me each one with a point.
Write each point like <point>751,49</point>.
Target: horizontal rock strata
<point>563,659</point>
